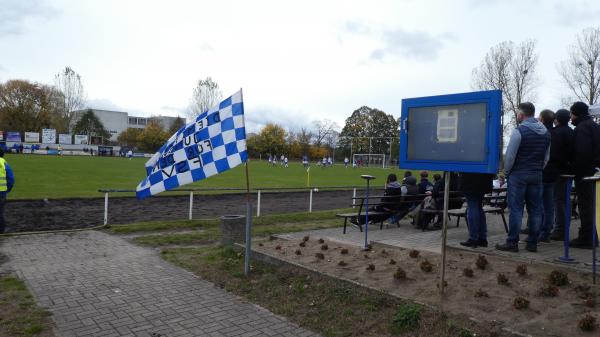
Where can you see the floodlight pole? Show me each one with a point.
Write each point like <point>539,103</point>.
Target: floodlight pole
<point>444,230</point>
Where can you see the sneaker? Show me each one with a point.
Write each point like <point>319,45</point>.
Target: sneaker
<point>531,248</point>
<point>469,243</point>
<point>507,248</point>
<point>482,243</point>
<point>557,236</point>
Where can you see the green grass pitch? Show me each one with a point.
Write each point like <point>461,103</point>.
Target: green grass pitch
<point>40,176</point>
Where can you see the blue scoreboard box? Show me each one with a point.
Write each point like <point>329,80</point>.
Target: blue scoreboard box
<point>457,133</point>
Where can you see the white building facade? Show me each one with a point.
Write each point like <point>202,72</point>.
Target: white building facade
<point>116,122</point>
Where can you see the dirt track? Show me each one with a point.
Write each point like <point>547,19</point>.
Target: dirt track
<point>28,215</point>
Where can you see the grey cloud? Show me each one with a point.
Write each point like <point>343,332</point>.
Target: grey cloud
<point>576,13</point>
<point>16,14</point>
<point>415,45</point>
<point>418,45</point>
<point>257,117</point>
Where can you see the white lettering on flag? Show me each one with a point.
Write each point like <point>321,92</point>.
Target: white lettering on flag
<point>213,143</point>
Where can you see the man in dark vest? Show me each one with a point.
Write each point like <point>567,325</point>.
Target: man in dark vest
<point>526,156</point>
<point>586,158</point>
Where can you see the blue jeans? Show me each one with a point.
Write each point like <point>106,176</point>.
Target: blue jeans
<point>524,188</point>
<point>476,217</point>
<point>548,215</point>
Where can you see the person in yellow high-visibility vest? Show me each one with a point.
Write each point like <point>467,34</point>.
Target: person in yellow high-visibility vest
<point>7,181</point>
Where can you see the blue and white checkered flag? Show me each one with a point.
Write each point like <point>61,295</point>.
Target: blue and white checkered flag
<point>214,142</point>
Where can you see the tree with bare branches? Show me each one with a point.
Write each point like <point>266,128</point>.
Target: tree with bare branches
<point>510,68</point>
<point>70,88</point>
<point>206,95</point>
<point>323,129</point>
<point>581,71</point>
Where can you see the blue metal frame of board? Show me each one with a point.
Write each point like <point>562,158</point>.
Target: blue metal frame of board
<point>493,101</point>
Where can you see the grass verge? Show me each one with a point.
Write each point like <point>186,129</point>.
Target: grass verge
<point>19,314</point>
<point>321,304</point>
<point>187,224</point>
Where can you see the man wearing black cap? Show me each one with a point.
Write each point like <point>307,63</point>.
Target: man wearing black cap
<point>586,160</point>
<point>562,149</point>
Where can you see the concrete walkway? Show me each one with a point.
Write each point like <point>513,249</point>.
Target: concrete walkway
<point>96,284</point>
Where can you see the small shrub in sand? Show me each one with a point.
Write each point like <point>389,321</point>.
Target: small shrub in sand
<point>414,253</point>
<point>522,269</point>
<point>480,293</point>
<point>468,272</point>
<point>548,291</point>
<point>320,256</point>
<point>502,279</point>
<point>303,244</point>
<point>520,303</point>
<point>298,252</point>
<point>392,261</point>
<point>426,266</point>
<point>342,263</point>
<point>260,244</point>
<point>481,262</point>
<point>558,278</point>
<point>400,274</point>
<point>321,241</point>
<point>324,247</point>
<point>371,267</point>
<point>589,302</point>
<point>369,247</point>
<point>272,238</point>
<point>278,247</point>
<point>306,238</point>
<point>587,323</point>
<point>344,251</point>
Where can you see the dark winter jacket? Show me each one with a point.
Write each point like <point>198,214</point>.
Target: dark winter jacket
<point>561,153</point>
<point>476,183</point>
<point>392,195</point>
<point>425,185</point>
<point>528,148</point>
<point>438,193</point>
<point>587,147</point>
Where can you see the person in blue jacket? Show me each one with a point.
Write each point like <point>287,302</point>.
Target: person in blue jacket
<point>7,181</point>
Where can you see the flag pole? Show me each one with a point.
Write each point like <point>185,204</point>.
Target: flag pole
<point>248,210</point>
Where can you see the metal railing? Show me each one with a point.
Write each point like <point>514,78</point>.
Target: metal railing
<point>258,191</point>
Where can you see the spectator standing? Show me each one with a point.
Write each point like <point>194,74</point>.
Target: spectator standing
<point>549,178</point>
<point>7,181</point>
<point>425,185</point>
<point>474,186</point>
<point>585,161</point>
<point>562,150</point>
<point>526,156</point>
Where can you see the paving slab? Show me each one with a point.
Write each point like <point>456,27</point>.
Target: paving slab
<point>96,284</point>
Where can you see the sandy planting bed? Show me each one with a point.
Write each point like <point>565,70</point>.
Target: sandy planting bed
<point>488,295</point>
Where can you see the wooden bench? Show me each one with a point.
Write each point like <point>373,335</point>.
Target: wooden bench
<point>496,204</point>
<point>412,199</point>
<point>361,213</point>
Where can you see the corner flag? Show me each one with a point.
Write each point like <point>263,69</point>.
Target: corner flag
<point>213,143</point>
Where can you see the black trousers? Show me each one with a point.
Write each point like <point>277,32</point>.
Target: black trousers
<point>560,204</point>
<point>2,223</point>
<point>585,198</point>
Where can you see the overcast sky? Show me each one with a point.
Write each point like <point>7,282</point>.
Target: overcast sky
<point>296,61</point>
